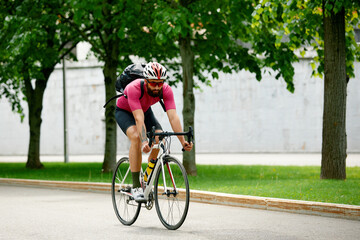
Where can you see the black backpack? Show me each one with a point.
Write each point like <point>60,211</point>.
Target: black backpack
<point>131,73</point>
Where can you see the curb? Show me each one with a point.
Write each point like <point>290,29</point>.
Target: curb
<point>344,211</point>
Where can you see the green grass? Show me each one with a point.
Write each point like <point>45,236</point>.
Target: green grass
<point>289,182</point>
<point>300,183</point>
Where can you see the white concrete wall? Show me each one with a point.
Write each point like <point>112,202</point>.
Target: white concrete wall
<point>237,114</point>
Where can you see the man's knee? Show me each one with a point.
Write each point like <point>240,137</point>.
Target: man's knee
<point>133,134</point>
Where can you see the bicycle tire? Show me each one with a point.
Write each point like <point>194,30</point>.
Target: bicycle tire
<point>126,209</point>
<point>172,207</point>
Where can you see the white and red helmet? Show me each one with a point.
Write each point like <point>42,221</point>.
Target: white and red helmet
<point>154,70</point>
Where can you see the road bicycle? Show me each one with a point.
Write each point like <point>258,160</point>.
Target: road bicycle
<point>167,185</point>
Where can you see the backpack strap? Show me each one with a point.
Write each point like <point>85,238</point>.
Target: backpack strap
<point>122,94</point>
<point>142,88</point>
<point>114,97</point>
<point>162,104</point>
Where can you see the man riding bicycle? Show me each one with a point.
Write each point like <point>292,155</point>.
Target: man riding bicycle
<point>134,116</point>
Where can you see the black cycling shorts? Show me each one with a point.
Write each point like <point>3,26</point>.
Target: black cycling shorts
<point>126,119</point>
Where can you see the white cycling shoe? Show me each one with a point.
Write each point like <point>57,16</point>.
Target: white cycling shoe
<point>138,194</point>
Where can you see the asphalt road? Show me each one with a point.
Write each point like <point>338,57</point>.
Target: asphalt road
<point>36,213</point>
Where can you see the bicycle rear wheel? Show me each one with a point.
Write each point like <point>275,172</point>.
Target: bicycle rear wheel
<point>172,194</point>
<point>126,209</point>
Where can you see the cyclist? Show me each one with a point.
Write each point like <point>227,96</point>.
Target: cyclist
<point>134,116</point>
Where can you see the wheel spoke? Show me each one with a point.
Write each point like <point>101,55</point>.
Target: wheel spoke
<point>126,210</point>
<point>171,206</point>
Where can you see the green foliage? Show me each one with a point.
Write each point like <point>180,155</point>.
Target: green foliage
<point>292,25</point>
<point>216,29</point>
<point>32,41</point>
<point>122,24</point>
<point>9,86</point>
<point>226,35</point>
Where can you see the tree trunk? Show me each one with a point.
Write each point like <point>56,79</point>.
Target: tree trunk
<point>187,58</point>
<point>109,71</point>
<point>35,109</point>
<point>333,163</point>
<point>35,105</point>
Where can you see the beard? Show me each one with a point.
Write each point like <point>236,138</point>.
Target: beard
<point>154,94</point>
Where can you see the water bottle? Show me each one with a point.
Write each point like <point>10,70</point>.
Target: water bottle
<point>149,169</point>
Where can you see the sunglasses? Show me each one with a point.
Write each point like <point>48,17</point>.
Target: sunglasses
<point>154,84</point>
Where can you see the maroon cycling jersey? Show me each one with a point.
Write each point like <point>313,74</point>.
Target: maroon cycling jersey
<point>133,102</point>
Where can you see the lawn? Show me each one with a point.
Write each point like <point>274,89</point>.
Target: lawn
<point>289,182</point>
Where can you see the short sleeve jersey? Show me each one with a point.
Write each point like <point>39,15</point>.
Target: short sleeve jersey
<point>133,102</point>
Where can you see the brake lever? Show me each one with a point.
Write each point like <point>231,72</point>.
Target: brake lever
<point>190,136</point>
<point>151,136</point>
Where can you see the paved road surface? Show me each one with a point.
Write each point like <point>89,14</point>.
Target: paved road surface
<point>36,213</point>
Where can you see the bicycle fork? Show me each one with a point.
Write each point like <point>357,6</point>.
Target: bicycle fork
<point>167,192</point>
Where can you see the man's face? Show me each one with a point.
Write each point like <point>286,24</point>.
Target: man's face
<point>154,87</point>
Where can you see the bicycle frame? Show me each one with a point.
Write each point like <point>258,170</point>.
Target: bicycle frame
<point>169,193</point>
<point>159,163</point>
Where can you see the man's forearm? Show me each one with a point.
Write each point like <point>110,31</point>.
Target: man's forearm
<point>140,125</point>
<point>176,126</point>
<point>142,131</point>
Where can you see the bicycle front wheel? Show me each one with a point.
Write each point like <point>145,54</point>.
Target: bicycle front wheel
<point>172,194</point>
<point>126,209</point>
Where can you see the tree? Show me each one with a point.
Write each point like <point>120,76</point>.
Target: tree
<point>33,41</point>
<point>116,30</point>
<point>327,26</point>
<point>202,33</point>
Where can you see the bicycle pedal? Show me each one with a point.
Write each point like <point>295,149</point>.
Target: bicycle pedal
<point>141,201</point>
<point>125,190</point>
